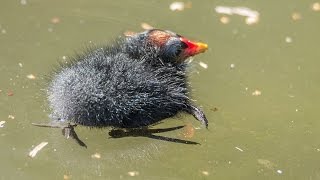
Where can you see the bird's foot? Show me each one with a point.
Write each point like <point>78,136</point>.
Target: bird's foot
<point>67,131</point>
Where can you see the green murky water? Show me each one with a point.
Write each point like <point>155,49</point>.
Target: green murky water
<point>260,92</point>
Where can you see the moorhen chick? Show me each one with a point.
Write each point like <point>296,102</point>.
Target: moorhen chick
<point>136,82</point>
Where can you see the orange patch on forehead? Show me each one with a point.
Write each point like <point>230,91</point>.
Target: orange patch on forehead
<point>158,38</point>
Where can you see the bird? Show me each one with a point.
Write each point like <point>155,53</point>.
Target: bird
<point>137,81</point>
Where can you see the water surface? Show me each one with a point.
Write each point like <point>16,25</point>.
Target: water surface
<point>259,92</point>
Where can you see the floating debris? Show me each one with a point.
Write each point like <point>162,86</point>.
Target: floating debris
<point>10,93</point>
<point>204,65</point>
<point>11,116</point>
<point>224,20</point>
<point>256,93</point>
<point>296,16</point>
<point>288,39</point>
<point>179,6</point>
<point>242,11</point>
<point>23,2</point>
<point>206,173</point>
<point>20,65</point>
<point>3,31</point>
<point>279,171</point>
<point>96,156</point>
<point>133,173</point>
<point>55,20</point>
<point>232,66</point>
<point>239,149</point>
<point>316,6</point>
<point>66,177</point>
<point>35,150</point>
<point>251,20</point>
<point>252,16</point>
<point>2,124</point>
<point>146,26</point>
<point>31,76</point>
<point>188,131</point>
<point>269,165</point>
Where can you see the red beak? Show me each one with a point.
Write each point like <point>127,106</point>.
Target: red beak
<point>194,47</point>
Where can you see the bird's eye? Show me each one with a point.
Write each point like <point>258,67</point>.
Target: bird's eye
<point>178,51</point>
<point>173,50</point>
<point>183,45</point>
<point>180,48</point>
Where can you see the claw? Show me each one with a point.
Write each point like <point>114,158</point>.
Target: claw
<point>199,115</point>
<point>67,131</point>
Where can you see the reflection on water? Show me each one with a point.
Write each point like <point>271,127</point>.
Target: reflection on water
<point>263,78</point>
<point>105,153</point>
<point>149,133</point>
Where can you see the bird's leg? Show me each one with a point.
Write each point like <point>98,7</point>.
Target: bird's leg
<point>46,125</point>
<point>67,130</point>
<point>198,114</point>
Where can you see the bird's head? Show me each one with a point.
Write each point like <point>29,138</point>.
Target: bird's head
<point>166,45</point>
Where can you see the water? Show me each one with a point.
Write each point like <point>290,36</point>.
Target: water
<point>259,92</point>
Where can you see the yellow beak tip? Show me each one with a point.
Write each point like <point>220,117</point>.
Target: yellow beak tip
<point>202,47</point>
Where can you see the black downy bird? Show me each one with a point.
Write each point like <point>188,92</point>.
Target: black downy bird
<point>136,82</point>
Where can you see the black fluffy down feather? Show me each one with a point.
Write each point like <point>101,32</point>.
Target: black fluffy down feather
<point>126,85</point>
